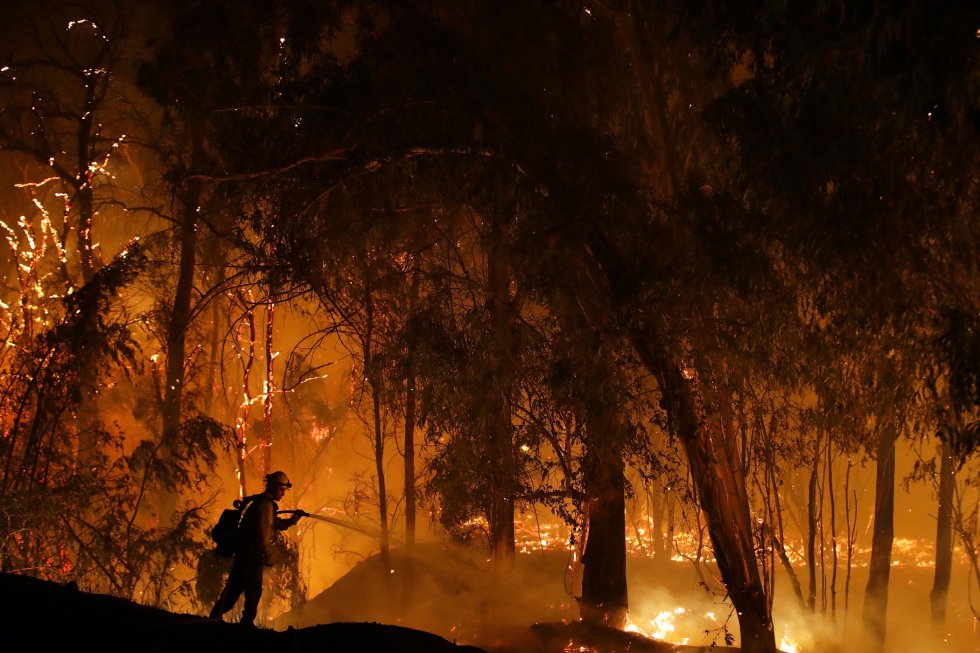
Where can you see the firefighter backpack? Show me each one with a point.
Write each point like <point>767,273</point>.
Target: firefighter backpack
<point>225,532</point>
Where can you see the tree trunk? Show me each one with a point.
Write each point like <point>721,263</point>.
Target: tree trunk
<point>944,537</point>
<point>176,332</point>
<point>410,457</point>
<point>876,593</point>
<point>604,593</point>
<point>88,407</point>
<point>833,528</point>
<point>603,282</point>
<point>84,195</point>
<point>86,209</point>
<point>410,422</point>
<point>851,525</point>
<point>373,378</point>
<point>379,452</point>
<point>812,517</point>
<point>717,473</point>
<point>500,424</point>
<point>218,311</point>
<point>659,543</point>
<point>265,457</point>
<point>244,408</point>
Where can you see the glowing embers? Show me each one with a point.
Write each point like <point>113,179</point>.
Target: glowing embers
<point>575,647</point>
<point>531,536</point>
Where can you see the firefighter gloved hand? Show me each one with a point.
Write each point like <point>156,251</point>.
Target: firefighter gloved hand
<point>297,515</point>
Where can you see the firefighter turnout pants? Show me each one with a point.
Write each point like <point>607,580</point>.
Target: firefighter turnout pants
<point>245,578</point>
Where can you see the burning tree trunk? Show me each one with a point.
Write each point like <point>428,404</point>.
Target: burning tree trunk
<point>876,593</point>
<point>717,473</point>
<point>86,211</point>
<point>944,536</point>
<point>604,593</point>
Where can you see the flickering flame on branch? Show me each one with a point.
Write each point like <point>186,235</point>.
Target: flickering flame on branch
<point>30,244</point>
<point>36,184</point>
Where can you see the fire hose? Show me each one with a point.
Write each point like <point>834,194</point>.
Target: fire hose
<point>336,521</point>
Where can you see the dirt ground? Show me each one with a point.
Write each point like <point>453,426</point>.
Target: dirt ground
<point>39,616</point>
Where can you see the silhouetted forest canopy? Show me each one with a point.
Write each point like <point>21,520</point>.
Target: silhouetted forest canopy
<point>640,315</point>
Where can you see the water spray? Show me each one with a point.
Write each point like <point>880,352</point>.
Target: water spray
<point>342,523</point>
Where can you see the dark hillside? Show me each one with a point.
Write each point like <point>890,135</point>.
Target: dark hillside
<point>50,617</point>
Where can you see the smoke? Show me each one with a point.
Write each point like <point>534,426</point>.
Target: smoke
<point>666,602</point>
<point>453,591</point>
<point>456,592</point>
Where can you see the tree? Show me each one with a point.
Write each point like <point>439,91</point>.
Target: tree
<point>567,188</point>
<point>62,81</point>
<point>877,197</point>
<point>46,495</point>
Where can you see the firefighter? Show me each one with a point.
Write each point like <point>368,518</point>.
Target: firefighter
<point>253,548</point>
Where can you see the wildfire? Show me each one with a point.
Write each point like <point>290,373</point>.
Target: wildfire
<point>533,535</point>
<point>321,432</point>
<point>788,645</point>
<point>664,623</point>
<point>662,627</point>
<point>545,536</point>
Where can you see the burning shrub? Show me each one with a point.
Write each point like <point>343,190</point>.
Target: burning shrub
<point>73,502</point>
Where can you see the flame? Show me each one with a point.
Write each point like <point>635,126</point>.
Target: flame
<point>788,645</point>
<point>321,432</point>
<point>664,623</point>
<point>661,627</point>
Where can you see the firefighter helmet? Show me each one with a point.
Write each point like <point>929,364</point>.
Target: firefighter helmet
<point>278,478</point>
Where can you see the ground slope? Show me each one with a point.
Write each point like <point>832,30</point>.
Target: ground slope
<point>39,615</point>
